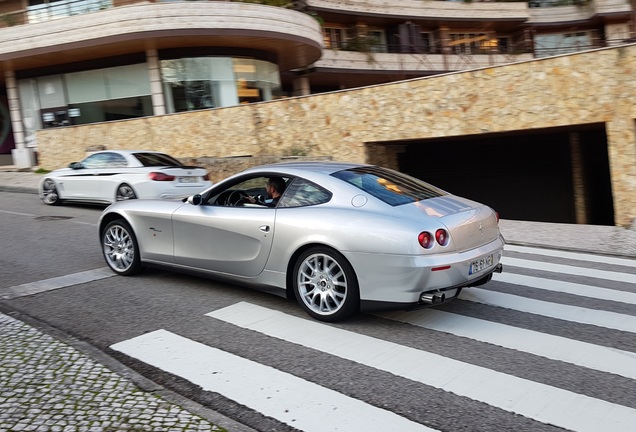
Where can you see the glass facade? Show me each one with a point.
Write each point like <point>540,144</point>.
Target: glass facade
<point>123,92</point>
<point>84,97</point>
<point>213,82</point>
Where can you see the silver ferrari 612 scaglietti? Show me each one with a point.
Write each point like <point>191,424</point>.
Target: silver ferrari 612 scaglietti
<point>340,237</point>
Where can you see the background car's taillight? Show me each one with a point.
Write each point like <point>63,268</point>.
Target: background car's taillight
<point>157,176</point>
<point>425,239</point>
<point>497,216</point>
<point>441,236</point>
<point>206,177</point>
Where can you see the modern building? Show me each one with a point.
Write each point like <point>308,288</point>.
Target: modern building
<point>72,62</point>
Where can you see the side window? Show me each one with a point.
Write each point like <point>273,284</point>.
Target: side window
<point>302,193</point>
<point>99,160</point>
<point>116,160</point>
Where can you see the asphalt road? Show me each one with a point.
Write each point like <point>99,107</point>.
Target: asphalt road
<point>548,345</point>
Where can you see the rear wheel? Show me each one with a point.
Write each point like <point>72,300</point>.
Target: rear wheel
<point>119,246</point>
<point>49,192</point>
<point>125,192</point>
<point>325,285</point>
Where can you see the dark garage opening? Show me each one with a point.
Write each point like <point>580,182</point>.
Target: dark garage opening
<point>532,176</point>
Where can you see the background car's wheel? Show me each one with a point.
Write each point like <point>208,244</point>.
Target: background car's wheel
<point>325,284</point>
<point>49,192</point>
<point>119,246</point>
<point>125,192</point>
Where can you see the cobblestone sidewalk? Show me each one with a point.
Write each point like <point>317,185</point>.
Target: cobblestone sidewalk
<point>47,385</point>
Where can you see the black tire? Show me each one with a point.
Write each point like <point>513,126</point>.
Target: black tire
<point>120,249</point>
<point>325,285</point>
<point>50,195</point>
<point>125,192</point>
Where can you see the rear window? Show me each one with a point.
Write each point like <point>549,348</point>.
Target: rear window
<point>156,160</point>
<point>392,187</point>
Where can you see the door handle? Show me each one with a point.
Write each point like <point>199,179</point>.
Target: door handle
<point>264,228</point>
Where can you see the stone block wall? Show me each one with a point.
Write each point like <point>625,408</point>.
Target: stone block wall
<point>596,87</point>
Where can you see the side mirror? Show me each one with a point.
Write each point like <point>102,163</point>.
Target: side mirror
<point>195,199</point>
<point>75,165</point>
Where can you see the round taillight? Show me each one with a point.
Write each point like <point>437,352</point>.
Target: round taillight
<point>425,239</point>
<point>158,176</point>
<point>497,216</point>
<point>441,236</point>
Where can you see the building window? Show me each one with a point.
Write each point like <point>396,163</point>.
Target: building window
<point>334,37</point>
<point>562,43</point>
<point>469,43</point>
<point>212,82</point>
<point>46,10</point>
<point>377,41</point>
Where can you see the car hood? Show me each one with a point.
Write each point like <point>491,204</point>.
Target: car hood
<point>469,223</point>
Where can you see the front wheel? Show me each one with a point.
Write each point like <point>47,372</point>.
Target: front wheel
<point>325,285</point>
<point>50,195</point>
<point>119,246</point>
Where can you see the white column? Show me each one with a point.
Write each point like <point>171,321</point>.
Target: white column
<point>156,89</point>
<point>23,157</point>
<point>301,86</point>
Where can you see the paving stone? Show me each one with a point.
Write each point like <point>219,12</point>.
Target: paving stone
<point>47,385</point>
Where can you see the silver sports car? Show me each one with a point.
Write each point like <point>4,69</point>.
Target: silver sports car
<point>339,237</point>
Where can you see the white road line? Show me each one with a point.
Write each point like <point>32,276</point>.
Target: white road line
<point>573,255</point>
<point>16,213</point>
<point>55,283</point>
<point>541,402</point>
<point>572,270</point>
<point>294,401</point>
<point>567,287</point>
<point>584,354</point>
<point>575,314</point>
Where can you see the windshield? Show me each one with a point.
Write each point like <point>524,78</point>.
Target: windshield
<point>392,187</point>
<point>156,160</point>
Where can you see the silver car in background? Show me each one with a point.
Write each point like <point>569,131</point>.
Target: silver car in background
<point>342,238</point>
<point>117,175</point>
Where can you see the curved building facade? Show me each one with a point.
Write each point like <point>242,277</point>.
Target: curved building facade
<point>74,62</point>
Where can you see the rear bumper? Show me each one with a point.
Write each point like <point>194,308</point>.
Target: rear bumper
<point>402,279</point>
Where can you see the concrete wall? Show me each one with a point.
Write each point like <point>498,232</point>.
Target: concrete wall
<point>584,88</point>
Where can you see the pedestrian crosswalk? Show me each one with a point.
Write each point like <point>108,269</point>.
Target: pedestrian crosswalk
<point>589,386</point>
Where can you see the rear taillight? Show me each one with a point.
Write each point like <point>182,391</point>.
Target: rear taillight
<point>497,216</point>
<point>158,176</point>
<point>441,236</point>
<point>425,239</point>
<point>206,177</point>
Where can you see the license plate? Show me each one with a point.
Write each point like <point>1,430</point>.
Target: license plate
<point>480,264</point>
<point>188,180</point>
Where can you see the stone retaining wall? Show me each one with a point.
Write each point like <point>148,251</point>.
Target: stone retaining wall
<point>587,88</point>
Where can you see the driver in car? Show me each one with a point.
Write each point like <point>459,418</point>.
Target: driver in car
<point>274,188</point>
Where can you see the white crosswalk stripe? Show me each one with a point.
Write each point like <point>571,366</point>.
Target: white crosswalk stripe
<point>553,347</point>
<point>572,270</point>
<point>275,393</point>
<point>262,388</point>
<point>567,287</point>
<point>541,402</point>
<point>576,314</point>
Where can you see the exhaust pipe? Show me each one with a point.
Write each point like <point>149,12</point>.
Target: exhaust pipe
<point>433,298</point>
<point>427,298</point>
<point>498,268</point>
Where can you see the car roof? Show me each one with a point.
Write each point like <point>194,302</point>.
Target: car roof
<point>296,167</point>
<point>127,152</point>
